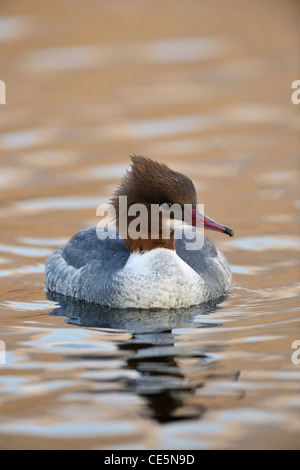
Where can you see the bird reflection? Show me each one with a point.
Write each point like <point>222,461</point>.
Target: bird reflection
<point>150,351</point>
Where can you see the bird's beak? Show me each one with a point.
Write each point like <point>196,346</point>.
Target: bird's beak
<point>200,220</point>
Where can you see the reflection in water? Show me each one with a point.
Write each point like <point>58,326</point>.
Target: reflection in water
<point>87,86</point>
<point>135,320</point>
<point>154,353</point>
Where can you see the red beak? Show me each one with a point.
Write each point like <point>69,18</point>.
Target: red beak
<point>200,220</point>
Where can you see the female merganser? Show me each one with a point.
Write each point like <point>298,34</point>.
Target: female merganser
<point>151,269</point>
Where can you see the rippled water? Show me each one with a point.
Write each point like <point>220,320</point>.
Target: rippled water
<point>207,90</point>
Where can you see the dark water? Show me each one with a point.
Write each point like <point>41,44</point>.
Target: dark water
<point>207,89</point>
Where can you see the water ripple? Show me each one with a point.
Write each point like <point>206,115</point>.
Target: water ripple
<point>266,243</point>
<point>168,51</point>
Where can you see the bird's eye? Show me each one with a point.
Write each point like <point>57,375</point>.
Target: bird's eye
<point>166,205</point>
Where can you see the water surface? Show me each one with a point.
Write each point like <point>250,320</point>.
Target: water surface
<point>207,90</point>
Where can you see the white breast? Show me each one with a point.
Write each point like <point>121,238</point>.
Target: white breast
<point>160,278</point>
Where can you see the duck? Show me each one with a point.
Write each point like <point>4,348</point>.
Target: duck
<point>158,259</point>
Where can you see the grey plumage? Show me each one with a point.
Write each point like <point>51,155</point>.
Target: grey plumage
<point>90,269</point>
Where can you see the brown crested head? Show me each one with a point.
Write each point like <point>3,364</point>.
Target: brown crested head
<point>149,185</point>
<point>151,182</point>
